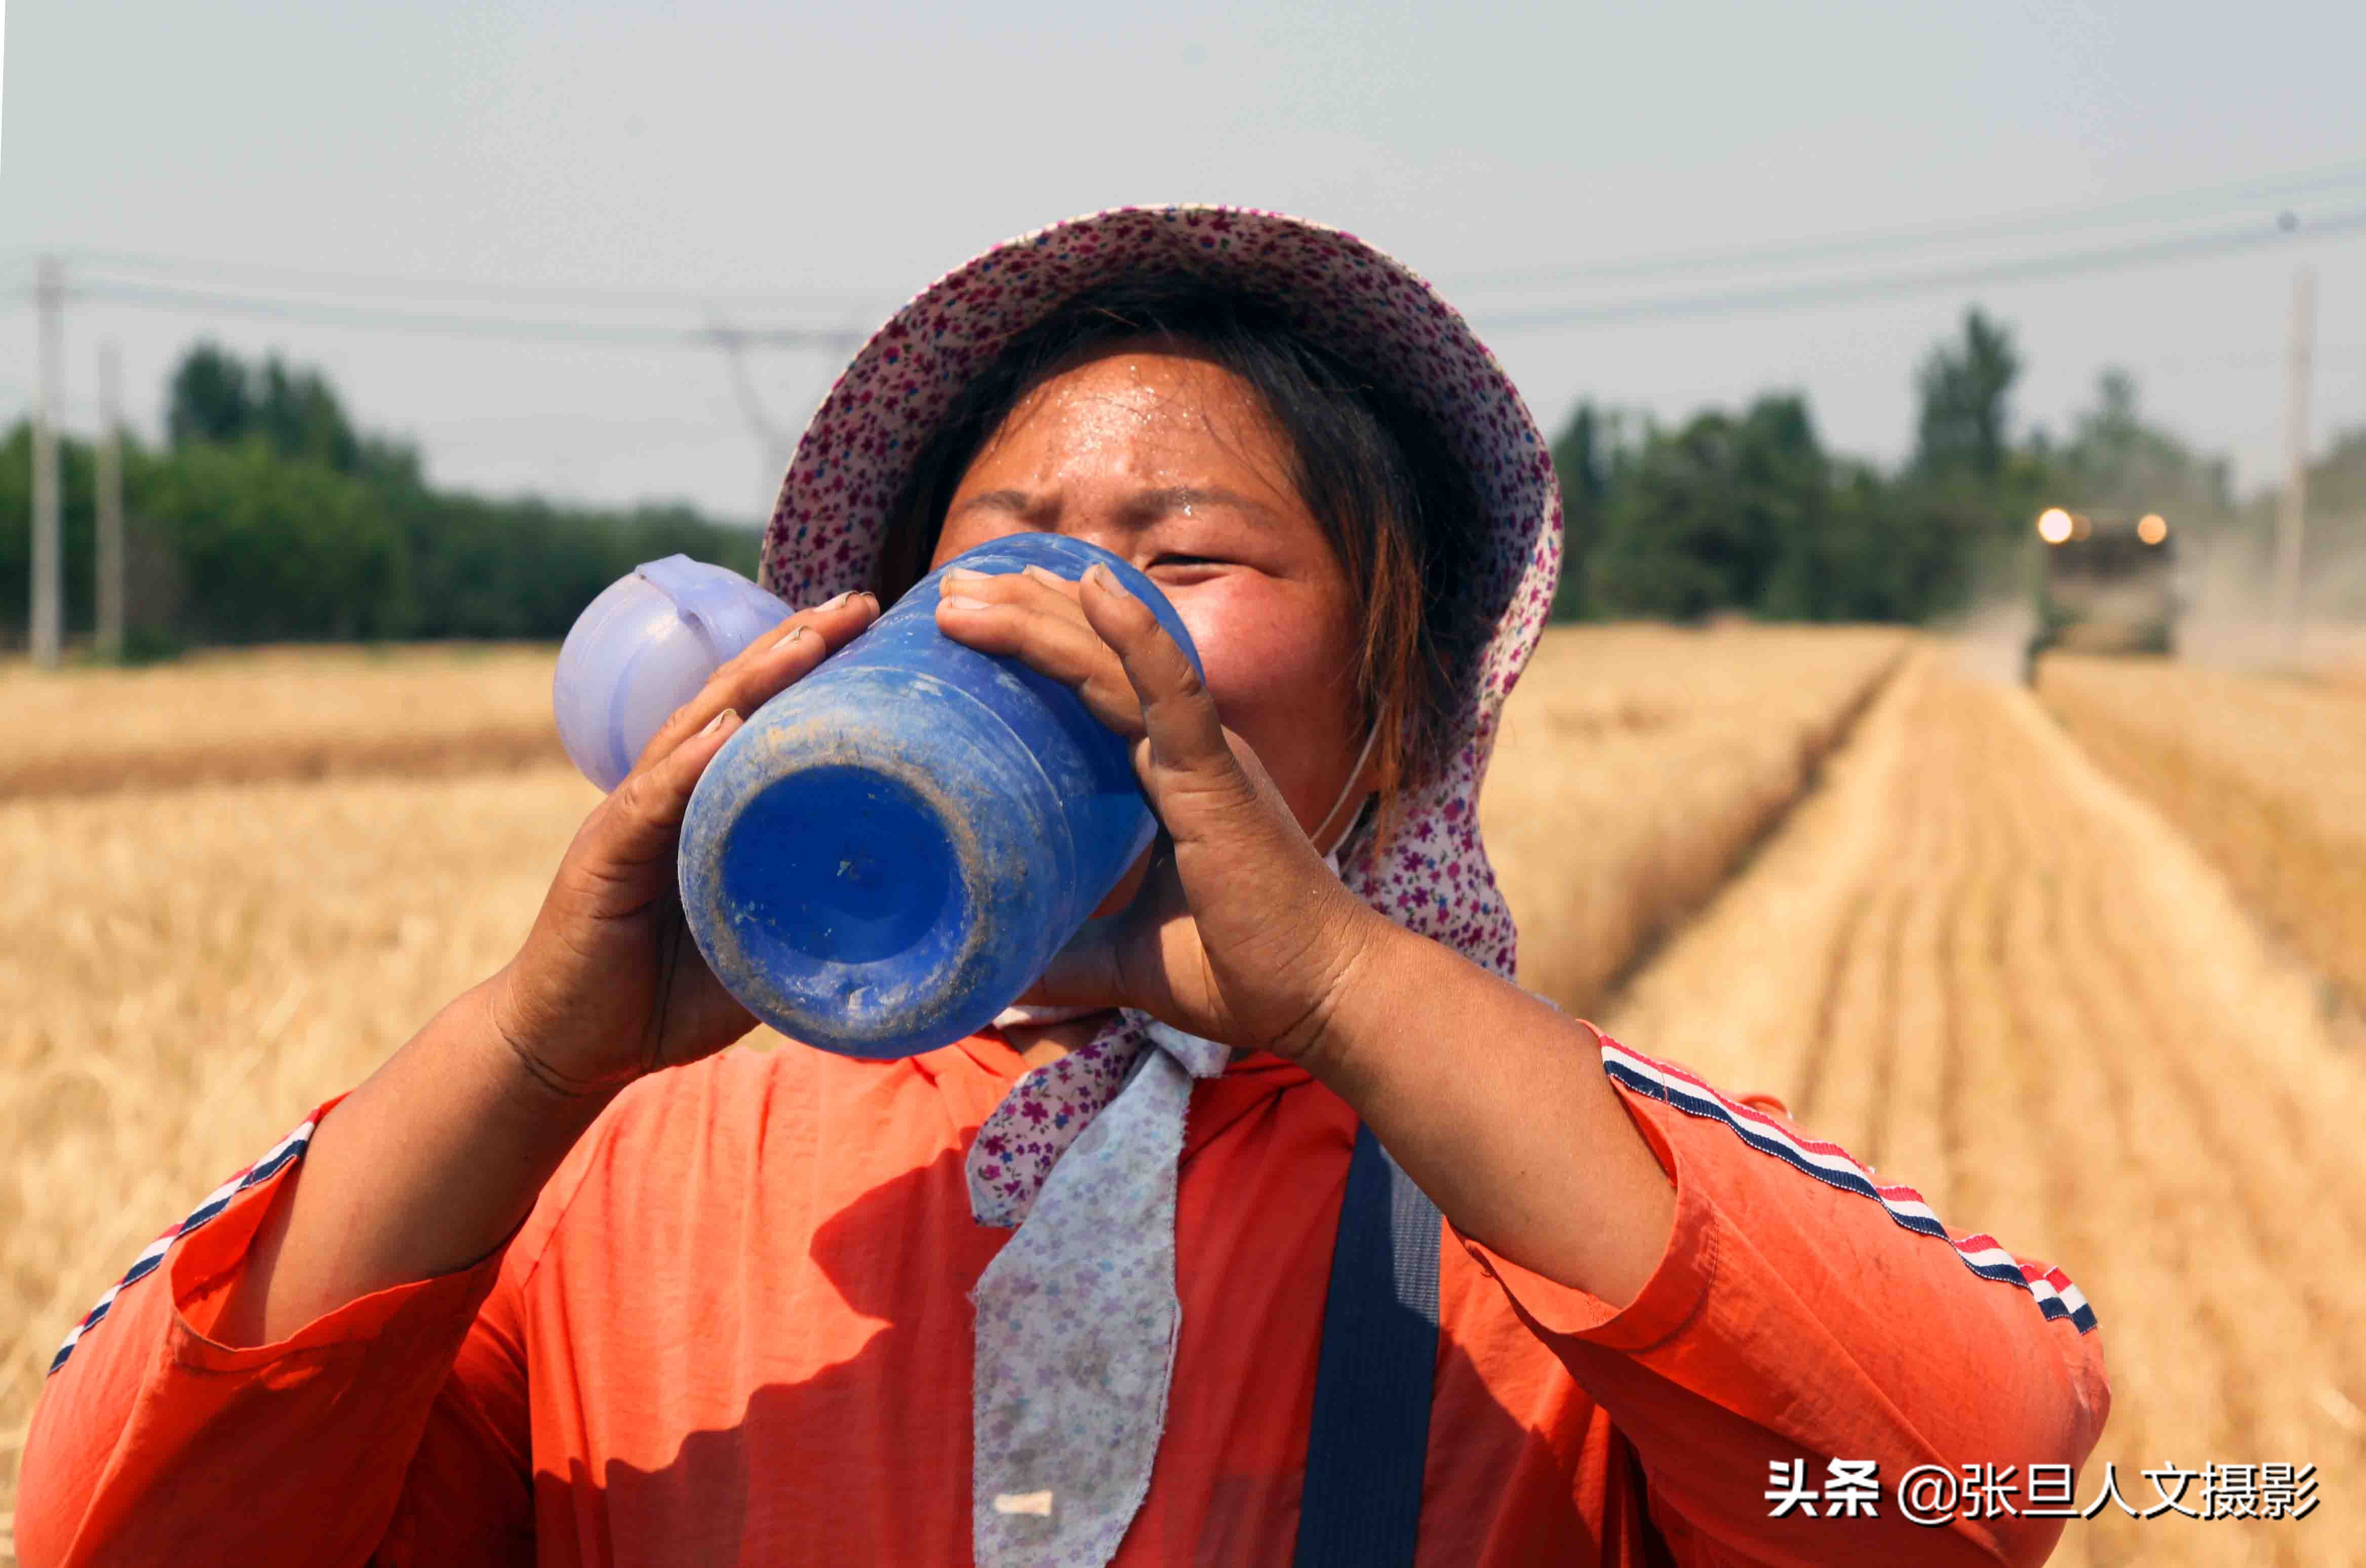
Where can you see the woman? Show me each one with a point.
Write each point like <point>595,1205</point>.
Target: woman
<point>566,1280</point>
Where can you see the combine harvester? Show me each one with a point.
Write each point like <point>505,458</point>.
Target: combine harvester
<point>2105,584</point>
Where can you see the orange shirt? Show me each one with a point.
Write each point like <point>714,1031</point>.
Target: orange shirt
<point>736,1330</point>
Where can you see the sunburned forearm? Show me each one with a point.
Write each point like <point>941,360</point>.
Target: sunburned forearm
<point>426,1168</point>
<point>1496,1105</point>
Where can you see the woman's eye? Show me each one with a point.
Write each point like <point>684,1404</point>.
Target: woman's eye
<point>1186,560</point>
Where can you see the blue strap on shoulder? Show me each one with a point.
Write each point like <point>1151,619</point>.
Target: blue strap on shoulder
<point>1361,1504</point>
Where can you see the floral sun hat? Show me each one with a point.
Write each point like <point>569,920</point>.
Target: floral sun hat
<point>1433,876</point>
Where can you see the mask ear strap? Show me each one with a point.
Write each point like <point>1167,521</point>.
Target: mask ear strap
<point>1353,773</point>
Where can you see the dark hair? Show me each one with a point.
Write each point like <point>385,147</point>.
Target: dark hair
<point>1397,506</point>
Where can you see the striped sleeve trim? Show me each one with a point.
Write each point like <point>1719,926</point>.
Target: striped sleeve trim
<point>285,1153</point>
<point>2056,1296</point>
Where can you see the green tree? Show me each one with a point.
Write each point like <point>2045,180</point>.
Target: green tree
<point>1707,514</point>
<point>270,549</point>
<point>483,569</point>
<point>1586,457</point>
<point>1746,511</point>
<point>234,540</point>
<point>2115,461</point>
<point>299,415</point>
<point>1966,391</point>
<point>215,396</point>
<point>207,397</point>
<point>1852,560</point>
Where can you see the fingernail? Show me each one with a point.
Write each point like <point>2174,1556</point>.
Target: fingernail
<point>781,647</point>
<point>963,574</point>
<point>1044,574</point>
<point>1100,573</point>
<point>866,593</point>
<point>718,721</point>
<point>962,602</point>
<point>836,602</point>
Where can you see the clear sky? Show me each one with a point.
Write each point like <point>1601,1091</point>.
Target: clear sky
<point>831,160</point>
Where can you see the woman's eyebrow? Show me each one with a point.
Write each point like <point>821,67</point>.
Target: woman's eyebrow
<point>1144,507</point>
<point>1168,499</point>
<point>1014,502</point>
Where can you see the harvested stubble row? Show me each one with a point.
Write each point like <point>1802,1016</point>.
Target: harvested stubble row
<point>1979,964</point>
<point>2266,773</point>
<point>193,969</point>
<point>1638,763</point>
<point>276,714</point>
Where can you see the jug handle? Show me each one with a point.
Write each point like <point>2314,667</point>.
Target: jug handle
<point>713,600</point>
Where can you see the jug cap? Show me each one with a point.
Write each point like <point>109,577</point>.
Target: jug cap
<point>644,647</point>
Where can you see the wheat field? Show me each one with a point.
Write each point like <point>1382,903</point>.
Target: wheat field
<point>1980,964</point>
<point>2266,773</point>
<point>276,714</point>
<point>1823,863</point>
<point>1637,764</point>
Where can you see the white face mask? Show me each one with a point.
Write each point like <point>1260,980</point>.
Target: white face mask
<point>1355,772</point>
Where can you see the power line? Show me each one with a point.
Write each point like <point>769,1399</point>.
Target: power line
<point>2212,201</point>
<point>23,392</point>
<point>1812,292</point>
<point>331,314</point>
<point>458,290</point>
<point>1856,289</point>
<point>1923,236</point>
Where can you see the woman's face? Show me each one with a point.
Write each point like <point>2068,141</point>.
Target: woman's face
<point>1160,455</point>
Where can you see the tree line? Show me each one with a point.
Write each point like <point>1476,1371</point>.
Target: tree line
<point>1747,512</point>
<point>268,515</point>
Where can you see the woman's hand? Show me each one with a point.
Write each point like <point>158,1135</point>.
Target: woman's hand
<point>609,984</point>
<point>1239,932</point>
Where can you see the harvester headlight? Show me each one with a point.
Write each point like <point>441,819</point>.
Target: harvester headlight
<point>2054,525</point>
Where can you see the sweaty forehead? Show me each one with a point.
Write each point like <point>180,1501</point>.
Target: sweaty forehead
<point>1155,411</point>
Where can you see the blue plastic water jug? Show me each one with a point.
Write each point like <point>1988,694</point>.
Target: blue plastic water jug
<point>888,852</point>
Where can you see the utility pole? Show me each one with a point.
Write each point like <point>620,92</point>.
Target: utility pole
<point>48,625</point>
<point>778,444</point>
<point>2291,517</point>
<point>109,595</point>
<point>774,443</point>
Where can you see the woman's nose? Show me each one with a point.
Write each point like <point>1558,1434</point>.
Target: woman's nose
<point>1105,527</point>
<point>1122,542</point>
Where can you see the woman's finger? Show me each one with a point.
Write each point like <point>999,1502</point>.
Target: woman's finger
<point>1044,629</point>
<point>642,820</point>
<point>1085,972</point>
<point>1090,969</point>
<point>1192,768</point>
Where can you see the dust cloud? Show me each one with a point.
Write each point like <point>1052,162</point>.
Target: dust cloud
<point>1991,639</point>
<point>2227,616</point>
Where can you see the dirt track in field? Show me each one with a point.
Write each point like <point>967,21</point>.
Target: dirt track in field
<point>2265,773</point>
<point>1990,972</point>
